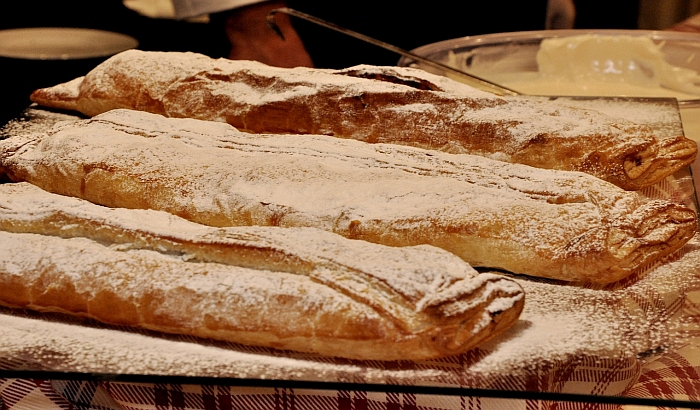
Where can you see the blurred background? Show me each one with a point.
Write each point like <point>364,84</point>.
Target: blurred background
<point>400,23</point>
<point>395,21</point>
<point>662,14</point>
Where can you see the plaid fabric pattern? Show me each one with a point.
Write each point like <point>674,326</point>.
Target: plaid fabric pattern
<point>88,395</point>
<point>675,375</point>
<point>31,395</point>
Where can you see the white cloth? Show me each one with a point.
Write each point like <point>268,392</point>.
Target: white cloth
<point>192,8</point>
<point>182,9</point>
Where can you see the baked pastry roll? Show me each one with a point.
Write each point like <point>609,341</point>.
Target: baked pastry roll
<point>377,104</point>
<point>555,224</point>
<point>300,289</point>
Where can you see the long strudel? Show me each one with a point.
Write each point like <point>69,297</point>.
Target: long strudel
<point>377,104</point>
<point>556,224</point>
<point>300,288</point>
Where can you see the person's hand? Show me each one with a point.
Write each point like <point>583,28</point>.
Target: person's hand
<point>252,39</point>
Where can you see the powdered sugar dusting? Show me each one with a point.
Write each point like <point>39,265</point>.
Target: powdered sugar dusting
<point>291,283</point>
<point>398,281</point>
<point>74,347</point>
<point>249,83</point>
<point>561,325</point>
<point>213,174</point>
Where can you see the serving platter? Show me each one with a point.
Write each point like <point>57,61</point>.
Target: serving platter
<point>570,338</point>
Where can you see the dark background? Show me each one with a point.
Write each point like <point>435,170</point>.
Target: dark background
<point>111,15</point>
<point>399,23</point>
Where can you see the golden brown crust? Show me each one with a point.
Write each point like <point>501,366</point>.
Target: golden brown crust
<point>298,289</point>
<point>378,104</point>
<point>555,224</point>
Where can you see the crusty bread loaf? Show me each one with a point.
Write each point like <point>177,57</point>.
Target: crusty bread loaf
<point>300,289</point>
<point>377,104</point>
<point>563,225</point>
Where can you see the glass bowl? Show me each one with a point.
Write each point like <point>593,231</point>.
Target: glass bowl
<point>502,57</point>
